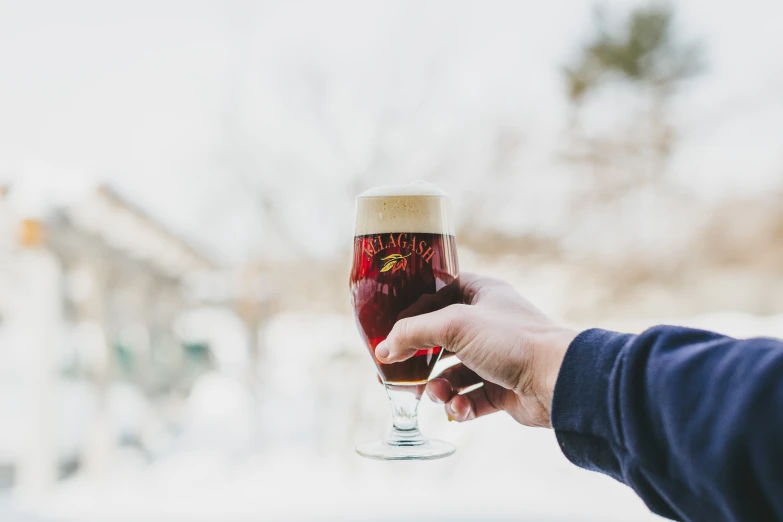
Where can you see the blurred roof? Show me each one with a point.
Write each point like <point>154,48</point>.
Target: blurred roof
<point>112,195</point>
<point>104,214</point>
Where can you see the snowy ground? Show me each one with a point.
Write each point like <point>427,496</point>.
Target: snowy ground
<point>521,475</point>
<point>297,462</point>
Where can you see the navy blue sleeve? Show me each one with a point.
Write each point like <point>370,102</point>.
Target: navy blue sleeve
<point>691,420</point>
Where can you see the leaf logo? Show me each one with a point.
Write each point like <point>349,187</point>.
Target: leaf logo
<point>394,262</point>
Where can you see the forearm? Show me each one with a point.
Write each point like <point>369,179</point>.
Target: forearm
<point>689,419</point>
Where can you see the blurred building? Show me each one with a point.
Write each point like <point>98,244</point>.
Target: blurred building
<point>122,272</point>
<point>89,293</point>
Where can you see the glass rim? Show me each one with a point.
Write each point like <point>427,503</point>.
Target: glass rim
<point>388,196</point>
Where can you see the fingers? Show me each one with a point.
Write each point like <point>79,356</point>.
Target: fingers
<point>444,328</point>
<point>426,303</point>
<point>450,382</point>
<point>476,403</point>
<point>446,388</point>
<point>474,288</point>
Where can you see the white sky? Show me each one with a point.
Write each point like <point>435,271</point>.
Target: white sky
<point>144,94</point>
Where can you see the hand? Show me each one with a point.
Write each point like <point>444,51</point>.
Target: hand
<point>501,340</point>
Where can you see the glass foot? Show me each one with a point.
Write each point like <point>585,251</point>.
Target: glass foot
<point>425,450</point>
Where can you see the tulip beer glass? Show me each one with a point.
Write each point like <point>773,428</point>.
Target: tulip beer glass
<point>404,264</point>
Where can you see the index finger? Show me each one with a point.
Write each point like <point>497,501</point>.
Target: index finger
<point>444,328</point>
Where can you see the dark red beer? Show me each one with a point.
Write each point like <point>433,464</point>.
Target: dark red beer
<point>397,275</point>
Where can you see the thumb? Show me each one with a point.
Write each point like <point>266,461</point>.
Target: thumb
<point>440,328</point>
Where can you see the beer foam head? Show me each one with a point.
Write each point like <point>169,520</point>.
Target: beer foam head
<point>417,207</point>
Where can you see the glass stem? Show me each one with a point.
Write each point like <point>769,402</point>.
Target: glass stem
<point>405,420</point>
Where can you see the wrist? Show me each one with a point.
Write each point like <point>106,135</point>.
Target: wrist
<point>552,349</point>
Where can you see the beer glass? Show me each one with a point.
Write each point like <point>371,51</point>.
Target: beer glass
<point>404,264</point>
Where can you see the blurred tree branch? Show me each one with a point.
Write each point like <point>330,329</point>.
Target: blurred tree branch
<point>646,51</point>
<point>643,52</point>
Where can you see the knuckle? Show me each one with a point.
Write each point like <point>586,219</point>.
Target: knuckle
<point>460,318</point>
<point>480,287</point>
<point>399,333</point>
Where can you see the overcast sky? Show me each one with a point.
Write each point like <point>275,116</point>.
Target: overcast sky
<point>173,100</point>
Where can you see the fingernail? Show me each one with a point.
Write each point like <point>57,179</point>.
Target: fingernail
<point>381,351</point>
<point>434,399</point>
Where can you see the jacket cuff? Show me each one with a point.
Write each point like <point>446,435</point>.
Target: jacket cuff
<point>583,401</point>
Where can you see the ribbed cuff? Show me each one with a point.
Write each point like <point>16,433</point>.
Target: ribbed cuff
<point>582,403</point>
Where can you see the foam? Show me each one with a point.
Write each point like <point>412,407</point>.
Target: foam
<point>417,188</point>
<point>418,207</point>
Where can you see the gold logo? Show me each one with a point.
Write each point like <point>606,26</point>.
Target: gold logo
<point>375,245</point>
<point>395,262</point>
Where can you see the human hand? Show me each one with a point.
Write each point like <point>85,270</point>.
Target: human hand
<point>501,340</point>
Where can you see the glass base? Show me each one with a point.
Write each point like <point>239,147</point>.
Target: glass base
<point>425,450</point>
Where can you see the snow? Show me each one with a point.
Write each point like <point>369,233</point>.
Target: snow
<point>293,458</point>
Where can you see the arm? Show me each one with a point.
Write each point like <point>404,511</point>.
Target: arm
<point>691,420</point>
